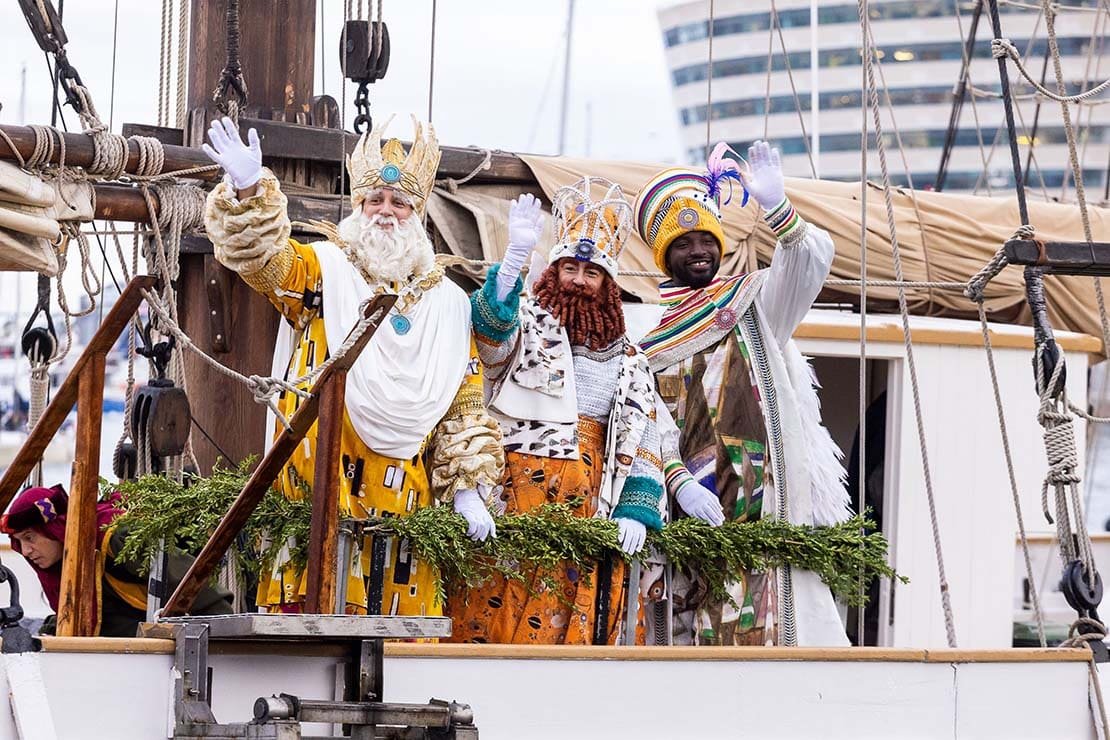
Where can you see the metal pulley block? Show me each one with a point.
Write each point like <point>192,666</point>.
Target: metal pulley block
<point>160,412</point>
<point>364,57</point>
<point>364,51</point>
<point>1081,594</point>
<point>39,344</point>
<point>125,461</point>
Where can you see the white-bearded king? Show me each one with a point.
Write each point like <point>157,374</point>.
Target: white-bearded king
<point>415,428</point>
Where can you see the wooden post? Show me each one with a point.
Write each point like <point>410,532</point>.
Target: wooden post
<point>77,604</point>
<point>323,544</point>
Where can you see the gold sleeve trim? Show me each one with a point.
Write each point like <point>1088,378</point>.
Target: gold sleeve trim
<point>273,274</point>
<point>467,401</point>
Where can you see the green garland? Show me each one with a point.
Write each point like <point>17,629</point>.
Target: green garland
<point>158,509</point>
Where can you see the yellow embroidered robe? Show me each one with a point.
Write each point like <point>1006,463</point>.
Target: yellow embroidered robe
<point>372,485</point>
<point>463,451</point>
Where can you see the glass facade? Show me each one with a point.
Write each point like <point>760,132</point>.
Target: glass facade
<point>828,100</point>
<point>1093,179</point>
<point>923,139</point>
<point>832,15</point>
<point>897,53</point>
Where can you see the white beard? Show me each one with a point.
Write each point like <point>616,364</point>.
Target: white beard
<point>393,255</point>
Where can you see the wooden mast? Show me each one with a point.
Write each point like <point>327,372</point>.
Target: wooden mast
<point>218,310</point>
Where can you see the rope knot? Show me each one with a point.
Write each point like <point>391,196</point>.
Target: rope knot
<point>1001,48</point>
<point>1096,632</point>
<point>1059,443</point>
<point>977,285</point>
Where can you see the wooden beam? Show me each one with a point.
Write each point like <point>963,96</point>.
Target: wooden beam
<point>267,471</point>
<point>126,203</point>
<point>79,152</point>
<point>67,394</point>
<point>292,141</point>
<point>78,612</point>
<point>1061,258</point>
<point>323,545</point>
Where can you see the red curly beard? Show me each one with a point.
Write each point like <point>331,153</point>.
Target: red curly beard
<point>592,320</point>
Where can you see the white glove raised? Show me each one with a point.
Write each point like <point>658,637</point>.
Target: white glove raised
<point>525,226</point>
<point>700,503</point>
<point>632,535</point>
<point>242,163</point>
<point>479,523</point>
<point>763,178</point>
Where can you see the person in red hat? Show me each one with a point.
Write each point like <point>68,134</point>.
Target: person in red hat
<point>36,523</point>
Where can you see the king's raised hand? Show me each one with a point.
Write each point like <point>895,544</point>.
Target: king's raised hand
<point>242,162</point>
<point>763,178</point>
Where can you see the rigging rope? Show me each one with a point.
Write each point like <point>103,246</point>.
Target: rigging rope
<point>1077,637</point>
<point>182,58</point>
<point>230,94</point>
<point>163,65</point>
<point>975,292</point>
<point>709,81</point>
<point>1004,48</point>
<point>873,95</point>
<point>861,493</point>
<point>452,184</point>
<point>984,175</point>
<point>793,91</point>
<point>431,53</point>
<point>1073,157</point>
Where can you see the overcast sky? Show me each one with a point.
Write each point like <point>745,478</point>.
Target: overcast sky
<point>498,77</point>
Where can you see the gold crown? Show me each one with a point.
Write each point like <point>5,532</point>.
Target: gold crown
<point>590,230</point>
<point>373,165</point>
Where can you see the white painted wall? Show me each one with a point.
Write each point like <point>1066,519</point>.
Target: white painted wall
<point>974,505</point>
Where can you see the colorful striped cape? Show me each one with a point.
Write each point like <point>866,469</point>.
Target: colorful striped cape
<point>693,315</point>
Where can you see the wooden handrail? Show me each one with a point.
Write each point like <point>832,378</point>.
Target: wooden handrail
<point>77,604</point>
<point>267,472</point>
<point>78,615</point>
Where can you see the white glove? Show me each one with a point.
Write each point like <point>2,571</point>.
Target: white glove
<point>242,163</point>
<point>763,179</point>
<point>700,503</point>
<point>632,535</point>
<point>525,225</point>
<point>479,523</point>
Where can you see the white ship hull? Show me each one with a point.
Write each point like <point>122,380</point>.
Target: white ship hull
<point>113,689</point>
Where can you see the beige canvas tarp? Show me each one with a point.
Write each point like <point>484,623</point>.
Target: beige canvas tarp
<point>941,238</point>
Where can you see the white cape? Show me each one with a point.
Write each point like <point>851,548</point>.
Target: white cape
<point>402,384</point>
<point>815,489</point>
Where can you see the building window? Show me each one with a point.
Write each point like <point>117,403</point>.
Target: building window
<point>832,15</point>
<point>930,52</point>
